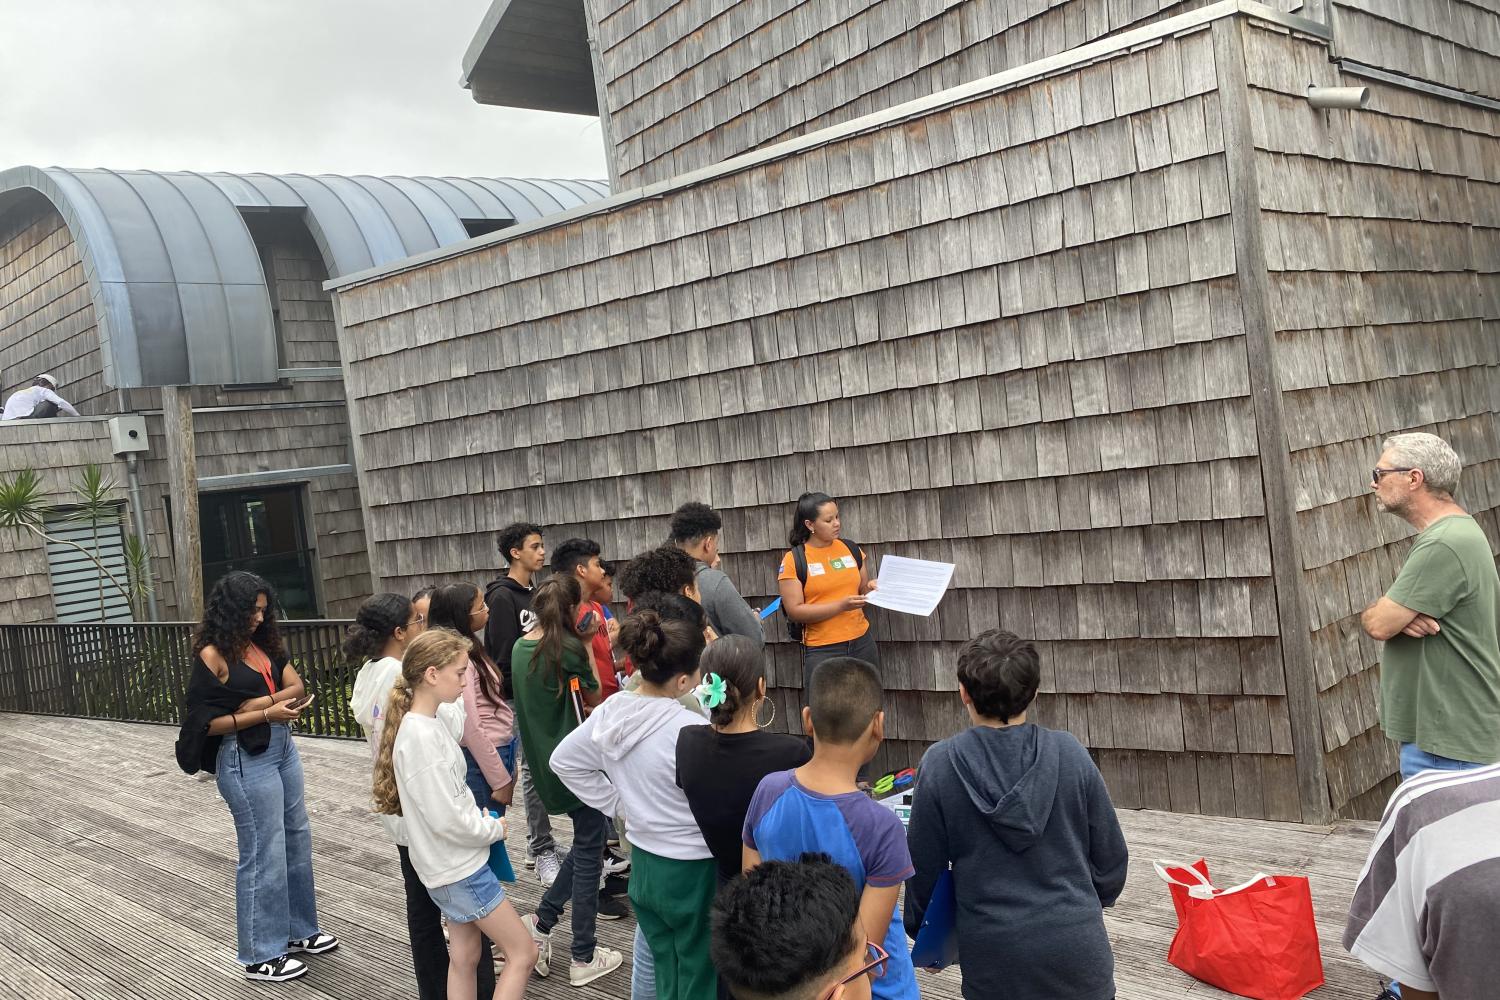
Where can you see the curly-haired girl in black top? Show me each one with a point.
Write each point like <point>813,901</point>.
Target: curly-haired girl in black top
<point>242,697</point>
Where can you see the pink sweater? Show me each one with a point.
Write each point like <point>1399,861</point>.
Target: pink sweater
<point>487,724</point>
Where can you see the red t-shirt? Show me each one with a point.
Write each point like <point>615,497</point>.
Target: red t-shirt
<point>604,654</point>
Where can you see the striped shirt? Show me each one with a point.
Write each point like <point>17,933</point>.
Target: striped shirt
<point>1428,901</point>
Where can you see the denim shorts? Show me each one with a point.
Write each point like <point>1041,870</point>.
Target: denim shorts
<point>469,899</point>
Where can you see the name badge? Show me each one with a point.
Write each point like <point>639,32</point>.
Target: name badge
<point>815,569</point>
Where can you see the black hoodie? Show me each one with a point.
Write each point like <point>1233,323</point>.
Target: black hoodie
<point>510,618</point>
<point>1037,853</point>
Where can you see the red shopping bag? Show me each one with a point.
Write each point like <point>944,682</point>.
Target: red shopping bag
<point>1257,939</point>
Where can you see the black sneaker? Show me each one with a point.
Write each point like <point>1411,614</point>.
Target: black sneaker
<point>315,945</point>
<point>277,970</point>
<point>615,863</point>
<point>613,907</point>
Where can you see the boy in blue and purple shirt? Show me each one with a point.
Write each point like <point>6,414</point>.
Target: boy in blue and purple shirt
<point>818,807</point>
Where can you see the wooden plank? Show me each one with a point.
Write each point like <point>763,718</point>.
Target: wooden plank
<point>1275,464</point>
<point>182,480</point>
<point>154,851</point>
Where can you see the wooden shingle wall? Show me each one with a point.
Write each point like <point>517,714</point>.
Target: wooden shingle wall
<point>57,450</point>
<point>1452,42</point>
<point>689,83</point>
<point>1006,334</point>
<point>1382,237</point>
<point>46,313</point>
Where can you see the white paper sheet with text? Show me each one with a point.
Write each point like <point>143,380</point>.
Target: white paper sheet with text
<point>912,586</point>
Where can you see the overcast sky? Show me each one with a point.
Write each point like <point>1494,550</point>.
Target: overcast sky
<point>281,86</point>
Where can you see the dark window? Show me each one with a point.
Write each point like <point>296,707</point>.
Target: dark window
<point>263,531</point>
<point>483,227</point>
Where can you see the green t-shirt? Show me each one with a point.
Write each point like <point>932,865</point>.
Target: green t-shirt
<point>545,714</point>
<point>1443,692</point>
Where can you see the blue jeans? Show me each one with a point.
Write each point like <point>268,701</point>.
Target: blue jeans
<point>469,899</point>
<point>578,881</point>
<point>273,882</point>
<point>480,785</point>
<point>1415,760</point>
<point>642,968</point>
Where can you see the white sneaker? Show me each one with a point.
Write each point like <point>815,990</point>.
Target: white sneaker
<point>548,864</point>
<point>543,946</point>
<point>279,970</point>
<point>606,960</point>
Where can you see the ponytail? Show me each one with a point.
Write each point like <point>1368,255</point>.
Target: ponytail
<point>375,623</point>
<point>739,661</point>
<point>387,797</point>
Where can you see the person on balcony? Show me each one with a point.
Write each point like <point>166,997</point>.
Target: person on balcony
<point>37,401</point>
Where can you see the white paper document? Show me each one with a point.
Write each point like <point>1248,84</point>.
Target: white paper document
<point>912,586</point>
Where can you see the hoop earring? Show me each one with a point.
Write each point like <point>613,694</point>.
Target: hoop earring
<point>762,725</point>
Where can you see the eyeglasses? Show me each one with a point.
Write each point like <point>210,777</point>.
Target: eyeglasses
<point>1377,472</point>
<point>416,621</point>
<point>877,957</point>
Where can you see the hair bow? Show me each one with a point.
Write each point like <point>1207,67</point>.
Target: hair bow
<point>712,691</point>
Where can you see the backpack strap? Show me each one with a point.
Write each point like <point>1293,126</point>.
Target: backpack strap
<point>799,558</point>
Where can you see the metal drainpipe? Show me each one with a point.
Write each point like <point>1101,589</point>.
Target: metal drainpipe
<point>139,516</point>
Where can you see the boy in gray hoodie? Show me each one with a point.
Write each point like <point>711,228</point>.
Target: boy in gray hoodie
<point>695,530</point>
<point>1022,815</point>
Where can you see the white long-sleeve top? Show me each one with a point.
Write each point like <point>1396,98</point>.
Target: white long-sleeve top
<point>372,691</point>
<point>623,759</point>
<point>448,835</point>
<point>23,401</point>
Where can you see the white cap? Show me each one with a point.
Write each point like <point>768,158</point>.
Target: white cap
<point>50,380</point>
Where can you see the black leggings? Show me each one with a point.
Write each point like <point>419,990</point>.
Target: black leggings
<point>429,952</point>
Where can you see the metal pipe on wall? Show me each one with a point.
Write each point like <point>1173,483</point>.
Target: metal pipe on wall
<point>138,515</point>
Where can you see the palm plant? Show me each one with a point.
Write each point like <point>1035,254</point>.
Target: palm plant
<point>24,507</point>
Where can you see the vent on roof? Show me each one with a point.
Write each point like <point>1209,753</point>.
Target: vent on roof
<point>483,227</point>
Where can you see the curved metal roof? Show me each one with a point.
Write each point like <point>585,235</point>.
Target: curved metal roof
<point>179,296</point>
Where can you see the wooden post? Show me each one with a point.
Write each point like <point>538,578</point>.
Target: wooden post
<point>1270,424</point>
<point>182,480</point>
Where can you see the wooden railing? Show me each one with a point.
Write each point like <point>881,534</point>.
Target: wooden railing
<point>139,673</point>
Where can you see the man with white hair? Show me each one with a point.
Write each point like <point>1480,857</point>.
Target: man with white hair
<point>37,401</point>
<point>1440,667</point>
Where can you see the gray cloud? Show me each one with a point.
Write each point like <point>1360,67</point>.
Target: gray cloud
<point>281,86</point>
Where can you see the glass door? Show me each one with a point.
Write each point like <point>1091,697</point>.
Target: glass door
<point>262,531</point>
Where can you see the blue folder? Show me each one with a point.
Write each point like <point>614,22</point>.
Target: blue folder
<point>500,859</point>
<point>936,946</point>
<point>770,609</point>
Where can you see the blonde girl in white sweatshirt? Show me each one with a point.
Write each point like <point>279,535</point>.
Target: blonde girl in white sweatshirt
<point>419,776</point>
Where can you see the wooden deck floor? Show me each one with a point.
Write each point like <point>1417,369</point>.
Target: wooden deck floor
<point>117,879</point>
